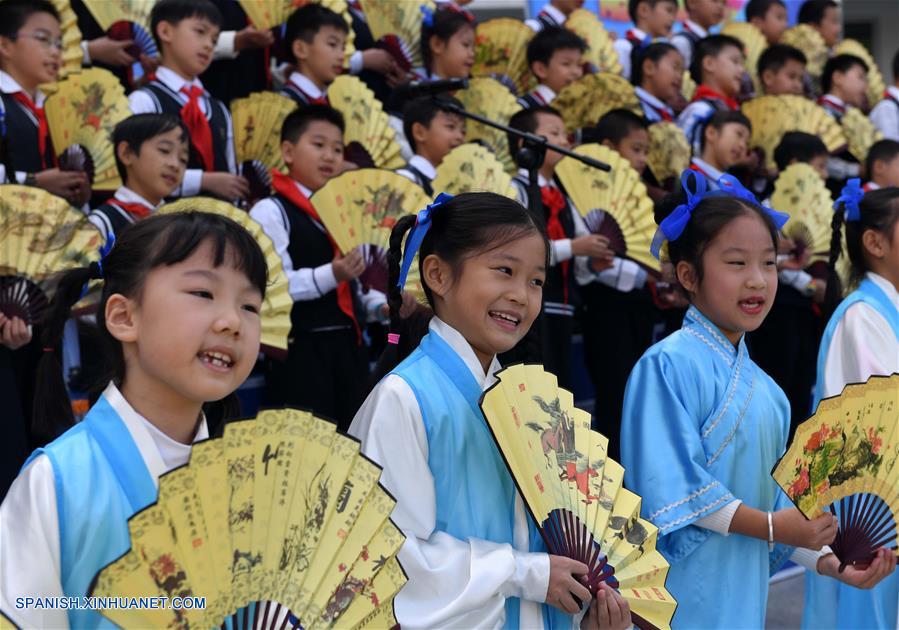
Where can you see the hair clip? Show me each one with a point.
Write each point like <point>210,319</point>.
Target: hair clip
<point>416,236</point>
<point>850,197</point>
<point>427,16</point>
<point>393,339</point>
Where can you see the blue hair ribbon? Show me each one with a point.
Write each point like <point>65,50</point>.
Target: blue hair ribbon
<point>732,186</point>
<point>103,250</point>
<point>850,197</point>
<point>427,16</point>
<point>417,235</point>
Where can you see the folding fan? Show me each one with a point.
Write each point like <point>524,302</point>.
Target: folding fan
<point>669,151</point>
<point>844,458</point>
<point>860,133</point>
<point>368,132</point>
<point>72,55</point>
<point>397,24</point>
<point>279,522</point>
<point>574,491</point>
<point>688,86</point>
<point>600,53</point>
<point>501,53</point>
<point>257,121</point>
<point>773,116</point>
<point>40,236</point>
<point>800,192</point>
<point>82,113</point>
<point>876,85</point>
<point>490,99</point>
<point>614,204</point>
<point>585,101</point>
<point>754,44</point>
<point>360,208</point>
<point>471,167</point>
<point>809,41</point>
<point>278,303</point>
<point>126,19</point>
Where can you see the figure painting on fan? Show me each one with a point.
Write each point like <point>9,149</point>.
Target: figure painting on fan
<point>472,556</point>
<point>652,20</point>
<point>554,57</point>
<point>769,16</point>
<point>179,317</point>
<point>433,130</point>
<point>702,15</point>
<point>824,16</point>
<point>316,37</point>
<point>703,425</point>
<point>658,77</point>
<point>885,114</point>
<point>780,70</point>
<point>447,43</point>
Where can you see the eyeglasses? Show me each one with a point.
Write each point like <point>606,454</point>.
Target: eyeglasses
<point>44,38</point>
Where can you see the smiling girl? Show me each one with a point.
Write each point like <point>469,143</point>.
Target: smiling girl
<point>180,316</point>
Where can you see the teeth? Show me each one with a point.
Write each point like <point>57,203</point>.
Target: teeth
<point>218,359</point>
<point>508,318</point>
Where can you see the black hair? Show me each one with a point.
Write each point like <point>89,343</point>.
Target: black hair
<point>445,22</point>
<point>617,124</point>
<point>896,65</point>
<point>812,11</point>
<point>776,57</point>
<point>297,122</point>
<point>551,39</point>
<point>654,53</point>
<point>307,21</point>
<point>632,6</point>
<point>711,46</point>
<point>14,14</point>
<point>173,11</point>
<point>840,63</point>
<point>423,110</point>
<point>721,118</point>
<point>527,120</point>
<point>137,129</point>
<point>879,211</point>
<point>759,8</point>
<point>159,240</point>
<point>881,151</point>
<point>799,146</point>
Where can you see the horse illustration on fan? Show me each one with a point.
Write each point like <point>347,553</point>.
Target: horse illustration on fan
<point>630,530</point>
<point>558,438</point>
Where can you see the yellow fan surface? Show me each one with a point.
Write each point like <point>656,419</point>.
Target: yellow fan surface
<point>366,122</point>
<point>276,307</point>
<point>471,167</point>
<point>688,86</point>
<point>501,53</point>
<point>844,458</point>
<point>266,14</point>
<point>600,53</point>
<point>491,99</point>
<point>83,111</point>
<point>669,151</point>
<point>754,44</point>
<point>257,121</point>
<point>860,133</point>
<point>800,192</point>
<point>876,85</point>
<point>618,195</point>
<point>574,491</point>
<point>400,19</point>
<point>586,100</point>
<point>809,41</point>
<point>72,55</point>
<point>108,12</point>
<point>281,508</point>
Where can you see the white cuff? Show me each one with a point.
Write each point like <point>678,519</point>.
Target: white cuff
<point>323,277</point>
<point>808,558</point>
<point>85,53</point>
<point>560,250</point>
<point>192,182</point>
<point>356,62</point>
<point>531,578</point>
<point>623,275</point>
<point>719,521</point>
<point>224,48</point>
<point>796,278</point>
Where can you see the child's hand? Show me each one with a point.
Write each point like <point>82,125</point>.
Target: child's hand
<point>70,185</point>
<point>379,61</point>
<point>348,267</point>
<point>608,611</point>
<point>15,333</point>
<point>225,185</point>
<point>564,586</point>
<point>592,245</point>
<point>858,576</point>
<point>251,37</point>
<point>793,529</point>
<point>110,51</point>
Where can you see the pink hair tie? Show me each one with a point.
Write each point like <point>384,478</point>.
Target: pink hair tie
<point>393,338</point>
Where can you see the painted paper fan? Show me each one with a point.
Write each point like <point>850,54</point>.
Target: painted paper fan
<point>574,491</point>
<point>844,459</point>
<point>614,204</point>
<point>669,151</point>
<point>860,133</point>
<point>257,121</point>
<point>360,208</point>
<point>501,53</point>
<point>277,305</point>
<point>491,99</point>
<point>270,14</point>
<point>126,19</point>
<point>809,41</point>
<point>754,44</point>
<point>369,138</point>
<point>71,54</point>
<point>397,24</point>
<point>471,167</point>
<point>876,85</point>
<point>688,86</point>
<point>41,235</point>
<point>82,113</point>
<point>586,100</point>
<point>600,52</point>
<point>281,522</point>
<point>801,192</point>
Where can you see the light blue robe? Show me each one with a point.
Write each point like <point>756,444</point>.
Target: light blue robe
<point>702,426</point>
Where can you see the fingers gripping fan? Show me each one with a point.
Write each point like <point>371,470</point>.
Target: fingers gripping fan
<point>471,167</point>
<point>257,121</point>
<point>586,100</point>
<point>501,53</point>
<point>490,99</point>
<point>800,189</point>
<point>844,459</point>
<point>281,522</point>
<point>600,52</point>
<point>275,314</point>
<point>369,138</point>
<point>397,26</point>
<point>614,204</point>
<point>124,20</point>
<point>860,133</point>
<point>41,235</point>
<point>575,492</point>
<point>669,151</point>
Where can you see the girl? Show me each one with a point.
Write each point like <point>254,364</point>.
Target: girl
<point>447,43</point>
<point>180,316</point>
<point>703,426</point>
<point>658,72</point>
<point>472,557</point>
<point>860,340</point>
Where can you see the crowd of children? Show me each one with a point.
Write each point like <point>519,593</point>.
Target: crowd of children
<point>700,374</point>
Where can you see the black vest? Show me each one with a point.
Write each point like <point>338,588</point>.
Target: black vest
<point>22,139</point>
<point>113,219</point>
<point>293,92</point>
<point>529,101</point>
<point>420,179</point>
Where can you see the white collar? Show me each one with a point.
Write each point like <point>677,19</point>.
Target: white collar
<point>886,286</point>
<point>541,180</point>
<point>713,173</point>
<point>8,85</point>
<point>545,92</point>
<point>696,29</point>
<point>653,100</point>
<point>871,186</point>
<point>159,452</point>
<point>461,347</point>
<point>126,195</point>
<point>894,91</point>
<point>835,100</point>
<point>424,166</point>
<point>638,33</point>
<point>173,80</point>
<point>554,14</point>
<point>306,191</point>
<point>306,85</point>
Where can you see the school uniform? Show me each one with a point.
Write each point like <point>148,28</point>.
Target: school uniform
<point>869,186</point>
<point>303,91</point>
<point>885,114</point>
<point>420,171</point>
<point>686,39</point>
<point>547,17</point>
<point>654,109</point>
<point>540,96</point>
<point>711,174</point>
<point>27,134</point>
<point>693,119</point>
<point>624,46</point>
<point>124,208</point>
<point>473,557</point>
<point>843,166</point>
<point>861,340</point>
<point>66,515</point>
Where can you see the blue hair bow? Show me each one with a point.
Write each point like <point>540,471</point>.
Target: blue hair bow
<point>103,250</point>
<point>850,197</point>
<point>732,186</point>
<point>427,16</point>
<point>417,235</point>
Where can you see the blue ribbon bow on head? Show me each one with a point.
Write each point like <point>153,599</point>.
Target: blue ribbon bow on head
<point>427,16</point>
<point>417,235</point>
<point>103,250</point>
<point>850,197</point>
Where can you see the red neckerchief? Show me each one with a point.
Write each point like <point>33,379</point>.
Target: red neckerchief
<point>827,100</point>
<point>661,111</point>
<point>869,186</point>
<point>635,39</point>
<point>43,131</point>
<point>286,186</point>
<point>133,208</point>
<point>554,201</point>
<point>537,97</point>
<point>695,167</point>
<point>198,125</point>
<point>704,92</point>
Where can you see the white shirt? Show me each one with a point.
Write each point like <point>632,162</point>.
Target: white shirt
<point>125,195</point>
<point>142,102</point>
<point>885,115</point>
<point>623,47</point>
<point>306,85</point>
<point>423,165</point>
<point>8,85</point>
<point>652,105</point>
<point>29,537</point>
<point>452,583</point>
<point>712,174</point>
<point>683,43</point>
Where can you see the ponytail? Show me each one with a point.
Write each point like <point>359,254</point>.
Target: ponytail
<point>834,292</point>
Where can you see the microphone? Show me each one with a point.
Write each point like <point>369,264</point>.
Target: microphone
<point>415,89</point>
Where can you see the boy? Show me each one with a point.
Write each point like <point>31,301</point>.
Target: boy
<point>554,57</point>
<point>151,153</point>
<point>628,134</point>
<point>702,15</point>
<point>780,70</point>
<point>824,17</point>
<point>433,130</point>
<point>882,165</point>
<point>717,68</point>
<point>553,13</point>
<point>652,19</point>
<point>844,83</point>
<point>769,16</point>
<point>798,146</point>
<point>30,55</point>
<point>326,366</point>
<point>186,32</point>
<point>316,37</point>
<point>725,144</point>
<point>885,114</point>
